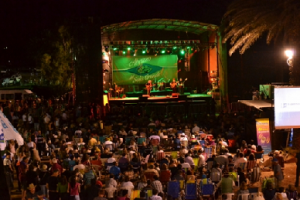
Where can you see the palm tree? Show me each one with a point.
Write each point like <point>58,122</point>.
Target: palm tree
<point>248,20</point>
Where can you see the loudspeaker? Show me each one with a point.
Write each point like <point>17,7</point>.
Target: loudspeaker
<point>143,98</point>
<point>175,94</point>
<point>182,97</point>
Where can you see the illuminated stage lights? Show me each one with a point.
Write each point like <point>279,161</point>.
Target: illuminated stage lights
<point>124,52</point>
<point>163,51</point>
<point>182,52</point>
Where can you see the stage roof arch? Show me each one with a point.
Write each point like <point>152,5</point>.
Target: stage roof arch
<point>162,24</point>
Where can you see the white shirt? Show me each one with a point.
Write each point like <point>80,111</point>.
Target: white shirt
<point>186,165</point>
<point>79,167</point>
<point>30,144</point>
<point>155,197</point>
<point>239,161</point>
<point>201,160</point>
<point>110,191</point>
<point>6,161</point>
<point>195,129</point>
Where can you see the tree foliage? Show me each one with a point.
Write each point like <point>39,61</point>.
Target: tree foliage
<point>56,65</point>
<point>248,20</point>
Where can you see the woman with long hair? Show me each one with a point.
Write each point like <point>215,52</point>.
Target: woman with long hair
<point>62,188</point>
<point>251,162</point>
<point>74,189</point>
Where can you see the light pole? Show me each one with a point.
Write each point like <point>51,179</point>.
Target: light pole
<point>290,55</point>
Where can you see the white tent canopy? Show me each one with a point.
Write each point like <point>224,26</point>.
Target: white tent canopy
<point>258,104</point>
<point>9,132</point>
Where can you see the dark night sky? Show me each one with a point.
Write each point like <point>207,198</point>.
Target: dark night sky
<point>22,20</point>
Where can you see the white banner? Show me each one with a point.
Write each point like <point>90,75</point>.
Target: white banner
<point>10,133</point>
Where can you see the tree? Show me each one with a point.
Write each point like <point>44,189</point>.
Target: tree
<point>248,20</point>
<point>56,65</point>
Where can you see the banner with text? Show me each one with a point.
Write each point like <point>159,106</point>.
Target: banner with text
<point>140,69</point>
<point>263,134</point>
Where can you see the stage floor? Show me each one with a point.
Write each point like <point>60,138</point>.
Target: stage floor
<point>187,97</point>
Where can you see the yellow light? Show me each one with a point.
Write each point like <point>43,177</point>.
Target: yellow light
<point>289,53</point>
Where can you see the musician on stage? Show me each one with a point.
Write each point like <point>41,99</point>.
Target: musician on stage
<point>181,85</point>
<point>149,87</point>
<point>115,89</point>
<point>173,85</point>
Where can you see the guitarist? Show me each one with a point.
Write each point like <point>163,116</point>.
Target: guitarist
<point>149,87</point>
<point>173,85</point>
<point>181,85</point>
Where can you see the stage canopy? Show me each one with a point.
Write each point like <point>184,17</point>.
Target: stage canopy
<point>258,104</point>
<point>162,24</point>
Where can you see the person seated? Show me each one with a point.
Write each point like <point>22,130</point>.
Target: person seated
<point>124,195</point>
<point>129,172</point>
<point>282,193</point>
<point>216,173</point>
<point>127,185</point>
<point>243,189</point>
<point>227,184</point>
<point>269,192</point>
<point>291,192</point>
<point>110,161</point>
<point>241,160</point>
<point>142,196</point>
<point>115,170</point>
<point>190,177</point>
<point>101,195</point>
<point>188,159</point>
<point>241,175</point>
<point>155,195</point>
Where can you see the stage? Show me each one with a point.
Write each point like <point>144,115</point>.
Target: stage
<point>154,99</point>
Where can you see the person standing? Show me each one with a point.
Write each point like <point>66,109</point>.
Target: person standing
<point>277,172</point>
<point>51,185</point>
<point>149,87</point>
<point>8,170</point>
<point>297,169</point>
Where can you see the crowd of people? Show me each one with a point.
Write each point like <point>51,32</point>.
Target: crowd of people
<point>134,153</point>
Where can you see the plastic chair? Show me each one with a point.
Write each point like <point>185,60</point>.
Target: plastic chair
<point>243,196</point>
<point>141,140</point>
<point>135,194</point>
<point>191,191</point>
<point>196,160</point>
<point>173,189</point>
<point>229,196</point>
<point>174,154</point>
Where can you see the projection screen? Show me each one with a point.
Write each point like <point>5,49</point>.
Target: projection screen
<point>287,107</point>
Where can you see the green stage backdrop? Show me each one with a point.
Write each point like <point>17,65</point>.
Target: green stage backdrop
<point>140,69</point>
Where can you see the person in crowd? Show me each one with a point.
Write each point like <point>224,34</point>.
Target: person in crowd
<point>156,184</point>
<point>8,169</point>
<point>269,192</point>
<point>155,195</point>
<point>243,189</point>
<point>74,188</point>
<point>62,188</point>
<point>278,174</point>
<point>51,185</point>
<point>31,193</point>
<point>241,161</point>
<point>127,185</point>
<point>23,168</point>
<point>101,195</point>
<point>251,163</point>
